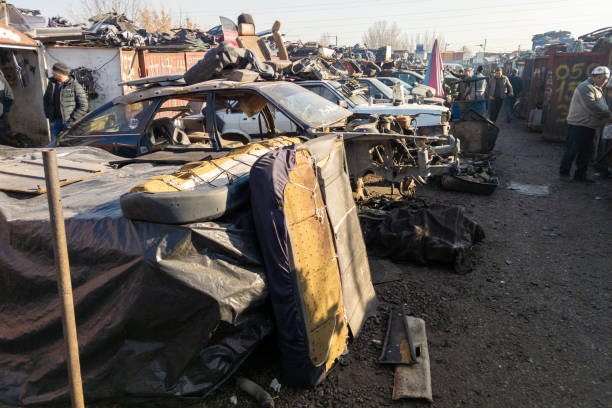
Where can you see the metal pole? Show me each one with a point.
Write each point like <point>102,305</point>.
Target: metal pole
<point>64,284</point>
<point>4,13</point>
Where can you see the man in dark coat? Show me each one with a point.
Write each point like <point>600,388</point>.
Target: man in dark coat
<point>6,101</point>
<point>65,100</point>
<point>517,87</point>
<point>498,87</point>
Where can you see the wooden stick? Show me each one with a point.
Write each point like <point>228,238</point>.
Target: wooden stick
<point>64,283</point>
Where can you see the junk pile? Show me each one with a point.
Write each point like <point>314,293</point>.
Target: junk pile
<point>116,30</point>
<point>414,231</point>
<point>475,177</point>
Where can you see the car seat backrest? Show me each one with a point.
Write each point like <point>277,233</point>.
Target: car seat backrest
<point>247,39</point>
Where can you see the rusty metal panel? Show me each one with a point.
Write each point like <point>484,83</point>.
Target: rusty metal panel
<point>525,94</point>
<point>130,67</point>
<point>538,83</point>
<point>162,63</point>
<point>14,38</point>
<point>567,70</point>
<point>191,58</point>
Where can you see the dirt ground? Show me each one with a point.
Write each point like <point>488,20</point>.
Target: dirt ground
<point>530,325</point>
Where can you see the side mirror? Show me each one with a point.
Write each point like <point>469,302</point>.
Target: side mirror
<point>342,103</point>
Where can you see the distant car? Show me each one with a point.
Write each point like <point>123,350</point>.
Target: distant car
<point>431,119</point>
<point>410,77</point>
<point>376,89</point>
<point>423,92</point>
<point>217,114</point>
<point>391,81</point>
<point>226,31</point>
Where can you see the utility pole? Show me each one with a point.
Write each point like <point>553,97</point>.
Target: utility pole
<point>4,17</point>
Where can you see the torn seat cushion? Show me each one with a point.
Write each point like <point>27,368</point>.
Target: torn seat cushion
<point>303,276</point>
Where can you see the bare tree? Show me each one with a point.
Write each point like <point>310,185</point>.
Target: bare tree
<point>383,33</point>
<point>131,8</point>
<point>152,20</point>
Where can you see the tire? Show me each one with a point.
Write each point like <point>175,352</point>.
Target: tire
<point>183,207</point>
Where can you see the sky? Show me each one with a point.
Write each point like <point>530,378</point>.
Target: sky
<point>504,25</point>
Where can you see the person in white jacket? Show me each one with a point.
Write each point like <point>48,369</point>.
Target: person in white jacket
<point>588,111</point>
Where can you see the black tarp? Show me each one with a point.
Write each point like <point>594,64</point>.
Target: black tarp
<point>161,310</point>
<point>406,231</point>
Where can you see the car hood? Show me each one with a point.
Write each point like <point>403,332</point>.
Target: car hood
<point>428,115</point>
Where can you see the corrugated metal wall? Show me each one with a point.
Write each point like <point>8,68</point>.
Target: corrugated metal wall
<point>165,63</point>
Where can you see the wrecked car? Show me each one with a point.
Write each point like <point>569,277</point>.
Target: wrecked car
<point>172,113</point>
<point>430,119</point>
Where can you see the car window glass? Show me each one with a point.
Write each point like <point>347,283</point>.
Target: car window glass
<point>307,107</point>
<point>118,118</point>
<point>329,95</point>
<point>173,108</point>
<point>282,123</point>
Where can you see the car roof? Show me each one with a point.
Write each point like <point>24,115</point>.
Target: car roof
<point>214,84</point>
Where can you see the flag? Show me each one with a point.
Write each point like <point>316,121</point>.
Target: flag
<point>435,71</point>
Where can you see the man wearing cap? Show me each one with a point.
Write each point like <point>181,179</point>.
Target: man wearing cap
<point>588,111</point>
<point>499,86</point>
<point>65,100</point>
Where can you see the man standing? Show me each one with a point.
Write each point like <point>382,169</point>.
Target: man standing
<point>499,86</point>
<point>65,100</point>
<point>517,87</point>
<point>588,111</point>
<point>6,101</point>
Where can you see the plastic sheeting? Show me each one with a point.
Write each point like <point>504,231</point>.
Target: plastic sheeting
<point>161,310</point>
<point>403,231</point>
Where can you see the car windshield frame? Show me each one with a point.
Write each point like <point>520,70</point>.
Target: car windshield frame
<point>384,89</point>
<point>306,106</point>
<point>133,125</point>
<point>354,98</point>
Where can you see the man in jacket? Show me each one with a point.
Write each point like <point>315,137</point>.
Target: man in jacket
<point>517,87</point>
<point>65,100</point>
<point>499,86</point>
<point>474,91</point>
<point>588,111</point>
<point>6,101</point>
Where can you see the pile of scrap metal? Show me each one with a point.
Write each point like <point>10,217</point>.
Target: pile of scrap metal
<point>596,41</point>
<point>116,30</point>
<point>476,177</point>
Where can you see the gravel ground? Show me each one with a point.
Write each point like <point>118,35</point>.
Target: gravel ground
<point>530,325</point>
